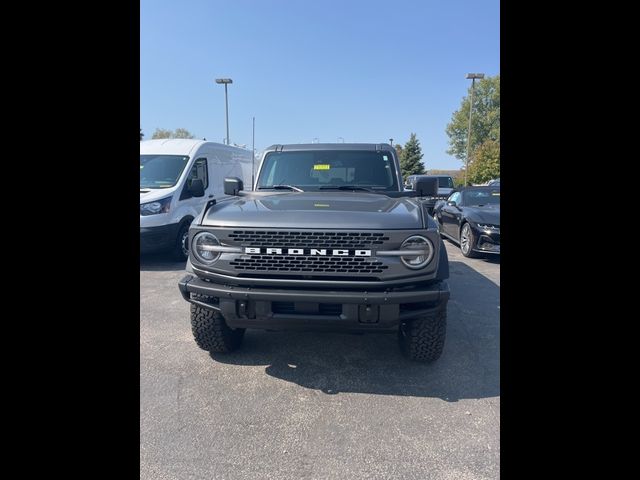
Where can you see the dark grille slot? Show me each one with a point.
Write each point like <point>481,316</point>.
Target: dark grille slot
<point>307,276</point>
<point>307,239</point>
<point>333,309</point>
<point>304,263</point>
<point>282,307</point>
<point>330,309</point>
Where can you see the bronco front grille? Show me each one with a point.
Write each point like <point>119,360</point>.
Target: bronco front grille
<point>288,239</point>
<point>305,263</point>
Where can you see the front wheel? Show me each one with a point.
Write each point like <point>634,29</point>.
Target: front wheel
<point>422,339</point>
<point>468,241</point>
<point>181,247</point>
<point>212,333</point>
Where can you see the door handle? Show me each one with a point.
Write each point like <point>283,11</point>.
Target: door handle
<point>210,196</point>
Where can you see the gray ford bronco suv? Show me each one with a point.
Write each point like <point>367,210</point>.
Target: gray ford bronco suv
<point>326,240</point>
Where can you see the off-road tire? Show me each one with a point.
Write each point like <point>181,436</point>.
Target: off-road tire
<point>211,332</point>
<point>422,339</point>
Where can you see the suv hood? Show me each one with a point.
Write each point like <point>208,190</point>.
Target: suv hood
<point>348,210</point>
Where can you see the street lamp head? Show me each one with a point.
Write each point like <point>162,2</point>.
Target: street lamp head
<point>475,75</point>
<point>224,80</point>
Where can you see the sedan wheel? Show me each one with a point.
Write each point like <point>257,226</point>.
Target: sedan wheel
<point>467,241</point>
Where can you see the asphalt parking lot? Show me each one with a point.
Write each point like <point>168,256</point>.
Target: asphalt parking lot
<point>320,405</point>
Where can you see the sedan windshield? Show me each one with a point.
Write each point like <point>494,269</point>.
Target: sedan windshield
<point>328,169</point>
<point>482,197</point>
<point>161,171</point>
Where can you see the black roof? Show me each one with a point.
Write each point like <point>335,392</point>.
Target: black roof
<point>479,187</point>
<point>432,176</point>
<point>330,146</point>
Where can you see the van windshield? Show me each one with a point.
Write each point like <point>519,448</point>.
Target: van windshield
<point>445,182</point>
<point>325,169</point>
<point>161,171</point>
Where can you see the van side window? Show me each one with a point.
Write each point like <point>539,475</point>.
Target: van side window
<point>199,171</point>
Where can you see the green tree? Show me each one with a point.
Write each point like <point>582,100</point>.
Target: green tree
<point>486,162</point>
<point>398,148</point>
<point>458,179</point>
<point>411,158</point>
<point>162,133</point>
<point>182,133</point>
<point>485,121</point>
<point>178,133</point>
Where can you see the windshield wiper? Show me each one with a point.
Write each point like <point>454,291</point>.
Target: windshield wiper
<point>282,187</point>
<point>346,187</point>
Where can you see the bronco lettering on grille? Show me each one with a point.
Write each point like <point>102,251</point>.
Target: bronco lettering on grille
<point>338,252</point>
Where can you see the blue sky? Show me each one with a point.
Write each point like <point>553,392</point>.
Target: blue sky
<point>365,71</point>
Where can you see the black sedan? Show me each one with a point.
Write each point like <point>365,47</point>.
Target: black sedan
<point>471,218</point>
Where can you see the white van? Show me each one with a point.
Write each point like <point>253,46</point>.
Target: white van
<point>168,168</point>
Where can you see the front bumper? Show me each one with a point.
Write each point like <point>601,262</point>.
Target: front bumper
<point>488,242</point>
<point>273,308</point>
<point>156,239</point>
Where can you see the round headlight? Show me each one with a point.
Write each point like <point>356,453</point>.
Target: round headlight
<point>417,242</point>
<point>201,247</point>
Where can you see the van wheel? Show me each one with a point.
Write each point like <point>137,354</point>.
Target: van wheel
<point>181,248</point>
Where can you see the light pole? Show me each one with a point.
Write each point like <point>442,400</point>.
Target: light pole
<point>473,77</point>
<point>225,81</point>
<point>391,141</point>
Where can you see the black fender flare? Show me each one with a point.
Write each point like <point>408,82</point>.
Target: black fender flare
<point>443,263</point>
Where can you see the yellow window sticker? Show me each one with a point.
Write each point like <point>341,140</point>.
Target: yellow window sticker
<point>321,205</point>
<point>322,166</point>
<point>495,194</point>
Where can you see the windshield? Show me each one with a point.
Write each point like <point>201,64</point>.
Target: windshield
<point>482,197</point>
<point>324,169</point>
<point>161,171</point>
<point>445,182</point>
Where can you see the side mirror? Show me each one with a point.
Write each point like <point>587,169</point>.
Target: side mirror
<point>426,187</point>
<point>232,185</point>
<point>197,188</point>
<point>452,203</point>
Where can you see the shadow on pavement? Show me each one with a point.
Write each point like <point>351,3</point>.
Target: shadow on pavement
<point>160,262</point>
<point>334,363</point>
<point>492,259</point>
